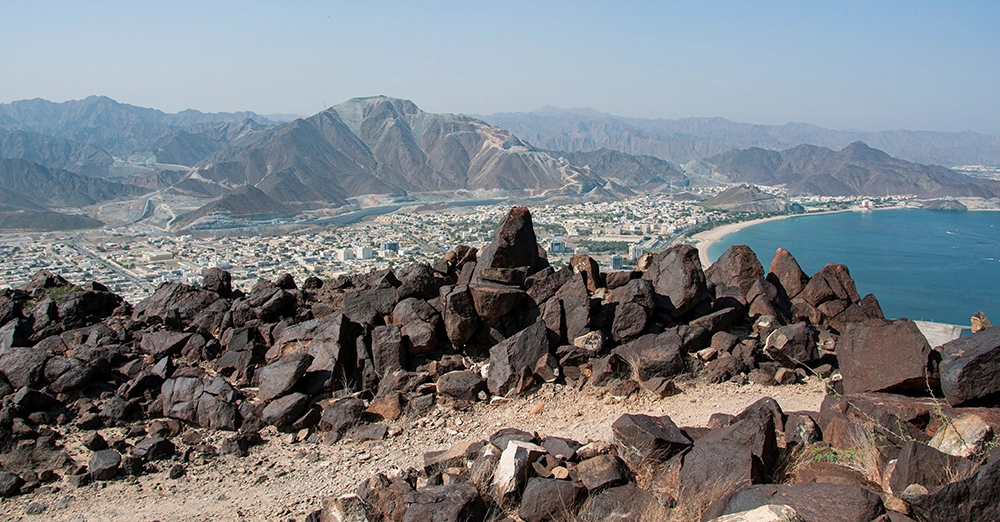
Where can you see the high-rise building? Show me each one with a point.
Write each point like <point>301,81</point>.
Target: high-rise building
<point>557,247</point>
<point>363,252</point>
<point>616,262</point>
<point>634,251</point>
<point>390,245</point>
<point>345,254</point>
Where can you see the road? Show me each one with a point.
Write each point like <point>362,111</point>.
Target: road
<point>75,243</point>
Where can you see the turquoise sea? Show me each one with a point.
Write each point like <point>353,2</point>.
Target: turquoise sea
<point>920,264</point>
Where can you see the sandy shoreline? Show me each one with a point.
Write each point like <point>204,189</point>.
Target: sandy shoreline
<point>703,240</point>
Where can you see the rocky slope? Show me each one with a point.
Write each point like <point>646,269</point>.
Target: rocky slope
<point>166,385</point>
<point>747,198</point>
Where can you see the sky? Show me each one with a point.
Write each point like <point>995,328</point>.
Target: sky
<point>872,65</point>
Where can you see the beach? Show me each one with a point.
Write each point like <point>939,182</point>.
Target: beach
<point>705,239</point>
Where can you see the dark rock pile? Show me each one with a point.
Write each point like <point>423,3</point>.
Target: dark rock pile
<point>336,358</point>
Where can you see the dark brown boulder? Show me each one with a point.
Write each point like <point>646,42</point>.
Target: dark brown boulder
<point>369,306</point>
<point>284,411</point>
<point>678,279</point>
<point>462,384</point>
<point>493,301</point>
<point>921,464</point>
<point>654,355</point>
<point>832,282</point>
<point>185,300</point>
<point>619,278</point>
<point>24,366</point>
<point>628,503</point>
<point>816,502</point>
<point>342,414</point>
<point>207,402</point>
<point>575,302</point>
<point>421,338</point>
<point>388,351</point>
<point>715,468</point>
<point>793,345</point>
<point>550,499</point>
<point>279,377</point>
<point>642,438</point>
<point>970,368</point>
<point>413,309</point>
<point>786,273</point>
<point>460,317</point>
<point>419,280</point>
<point>452,503</point>
<point>880,355</point>
<point>516,357</point>
<point>163,344</point>
<point>218,281</point>
<point>974,498</point>
<point>600,471</point>
<point>719,320</point>
<point>514,245</point>
<point>629,321</point>
<point>738,268</point>
<point>544,284</point>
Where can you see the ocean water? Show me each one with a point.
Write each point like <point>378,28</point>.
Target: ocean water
<point>920,264</point>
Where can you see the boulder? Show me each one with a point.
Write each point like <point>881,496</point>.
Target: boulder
<point>24,366</point>
<point>420,338</point>
<point>628,503</point>
<point>832,282</point>
<point>654,355</point>
<point>513,470</point>
<point>880,355</point>
<point>451,503</point>
<point>714,468</point>
<point>103,464</point>
<point>207,402</point>
<point>921,464</point>
<point>793,345</point>
<point>493,301</point>
<point>388,351</point>
<point>279,377</point>
<point>218,281</point>
<point>460,317</point>
<point>587,267</point>
<point>678,279</point>
<point>342,414</point>
<point>786,273</point>
<point>963,436</point>
<point>644,438</point>
<point>973,498</point>
<point>462,384</point>
<point>600,471</point>
<point>184,300</point>
<point>154,448</point>
<point>738,268</point>
<point>549,499</point>
<point>418,280</point>
<point>284,411</point>
<point>514,245</point>
<point>10,484</point>
<point>510,359</point>
<point>816,502</point>
<point>970,368</point>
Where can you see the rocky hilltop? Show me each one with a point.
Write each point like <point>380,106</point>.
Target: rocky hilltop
<point>191,376</point>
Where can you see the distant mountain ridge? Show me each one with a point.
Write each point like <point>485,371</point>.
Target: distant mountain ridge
<point>686,139</point>
<point>855,170</point>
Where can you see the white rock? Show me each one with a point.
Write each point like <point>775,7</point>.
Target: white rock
<point>512,469</point>
<point>963,437</point>
<point>768,513</point>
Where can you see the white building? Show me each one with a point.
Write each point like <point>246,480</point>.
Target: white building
<point>363,252</point>
<point>634,251</point>
<point>345,254</point>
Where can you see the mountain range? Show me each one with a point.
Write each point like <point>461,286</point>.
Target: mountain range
<point>856,170</point>
<point>687,139</point>
<point>83,152</point>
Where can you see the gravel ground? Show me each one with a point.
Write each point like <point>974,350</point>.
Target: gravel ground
<point>286,479</point>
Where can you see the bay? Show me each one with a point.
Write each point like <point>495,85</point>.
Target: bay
<point>920,264</point>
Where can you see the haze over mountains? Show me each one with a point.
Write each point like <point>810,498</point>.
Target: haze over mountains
<point>686,139</point>
<point>381,146</point>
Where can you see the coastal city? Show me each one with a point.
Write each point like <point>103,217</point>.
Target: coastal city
<point>133,260</point>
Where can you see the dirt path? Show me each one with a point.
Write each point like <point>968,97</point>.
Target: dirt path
<point>285,481</point>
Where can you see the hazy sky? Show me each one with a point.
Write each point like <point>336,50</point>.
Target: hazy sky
<point>869,65</point>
